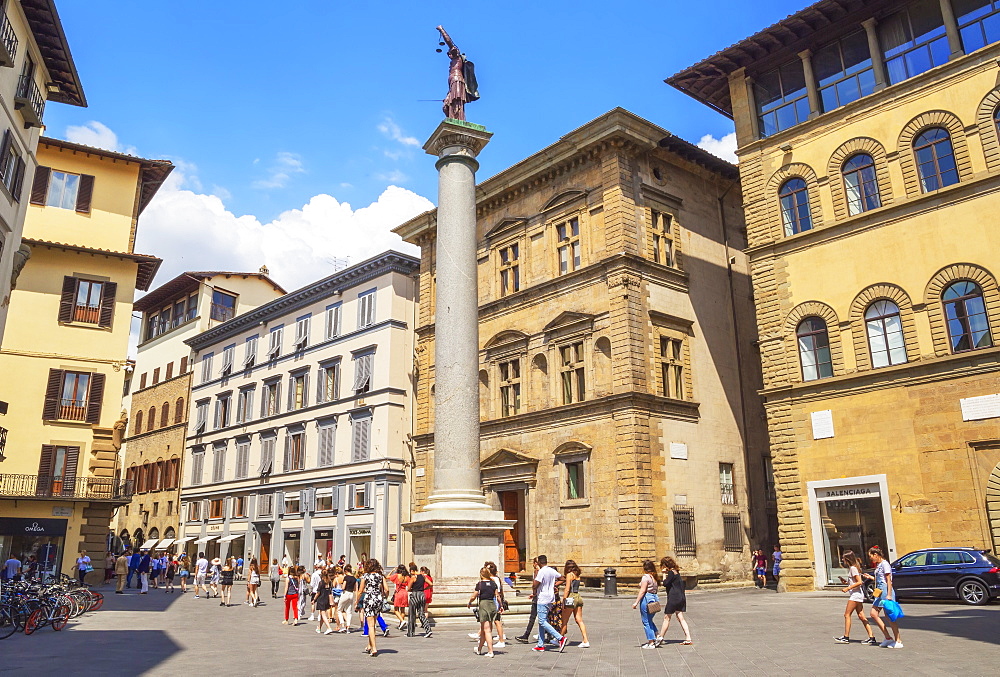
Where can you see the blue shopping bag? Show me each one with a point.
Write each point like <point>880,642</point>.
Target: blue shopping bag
<point>893,610</point>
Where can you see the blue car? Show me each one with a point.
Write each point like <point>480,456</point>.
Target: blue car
<point>971,575</point>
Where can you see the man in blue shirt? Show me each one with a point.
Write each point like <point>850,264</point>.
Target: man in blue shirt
<point>239,567</point>
<point>133,564</point>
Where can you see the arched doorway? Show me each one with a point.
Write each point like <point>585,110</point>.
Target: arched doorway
<point>169,533</point>
<point>138,538</point>
<point>154,533</point>
<point>993,506</point>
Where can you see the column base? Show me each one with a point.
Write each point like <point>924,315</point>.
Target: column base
<point>454,538</point>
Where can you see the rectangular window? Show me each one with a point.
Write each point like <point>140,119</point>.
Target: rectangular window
<point>574,384</point>
<point>366,309</point>
<point>672,367</point>
<point>194,511</point>
<point>242,460</point>
<point>206,367</point>
<point>361,438</point>
<point>192,307</point>
<point>510,269</point>
<point>152,329</point>
<point>265,505</point>
<point>170,508</point>
<point>324,502</point>
<point>75,396</point>
<point>156,376</point>
<point>844,70</point>
<point>297,392</point>
<point>228,357</point>
<point>913,40</point>
<point>267,455</point>
<point>156,509</point>
<point>239,506</point>
<point>63,188</point>
<point>223,306</point>
<point>197,466</point>
<point>178,318</point>
<point>293,505</point>
<point>295,451</point>
<point>244,405</point>
<point>978,22</point>
<point>781,97</point>
<point>732,533</point>
<point>684,532</point>
<point>327,435</point>
<point>510,388</point>
<point>363,373</point>
<point>329,382</point>
<point>361,494</point>
<point>333,320</point>
<point>568,244</point>
<point>201,416</point>
<point>250,352</point>
<point>574,480</point>
<point>11,165</point>
<point>726,484</point>
<point>222,408</point>
<point>88,301</point>
<point>215,510</point>
<point>274,342</point>
<point>302,332</point>
<point>219,464</point>
<point>663,241</point>
<point>270,397</point>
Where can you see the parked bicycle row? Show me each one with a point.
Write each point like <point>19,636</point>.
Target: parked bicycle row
<point>28,605</point>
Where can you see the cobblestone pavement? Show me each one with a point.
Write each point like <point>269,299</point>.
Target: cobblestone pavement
<point>743,631</point>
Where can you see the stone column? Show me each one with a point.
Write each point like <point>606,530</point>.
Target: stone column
<point>812,91</point>
<point>457,530</point>
<point>951,28</point>
<point>878,63</point>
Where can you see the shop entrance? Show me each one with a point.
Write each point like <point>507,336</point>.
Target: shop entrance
<point>324,544</point>
<point>512,504</point>
<point>361,543</point>
<point>41,538</point>
<point>292,542</point>
<point>264,561</point>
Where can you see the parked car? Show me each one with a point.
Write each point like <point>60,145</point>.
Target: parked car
<point>971,575</point>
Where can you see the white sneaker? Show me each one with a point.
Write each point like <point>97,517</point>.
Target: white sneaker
<point>584,645</point>
<point>312,617</point>
<point>649,646</point>
<point>489,655</point>
<point>318,631</point>
<point>475,635</point>
<point>500,645</point>
<point>886,643</point>
<point>896,645</point>
<point>329,632</point>
<point>475,650</point>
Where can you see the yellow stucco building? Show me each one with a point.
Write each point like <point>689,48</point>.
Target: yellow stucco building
<point>870,164</point>
<point>64,352</point>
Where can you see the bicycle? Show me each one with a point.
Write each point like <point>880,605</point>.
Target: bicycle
<point>49,613</point>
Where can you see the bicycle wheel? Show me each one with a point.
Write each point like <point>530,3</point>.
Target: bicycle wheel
<point>98,601</point>
<point>33,621</point>
<point>59,617</point>
<point>8,626</point>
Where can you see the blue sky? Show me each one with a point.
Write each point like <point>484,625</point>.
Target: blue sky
<point>265,111</point>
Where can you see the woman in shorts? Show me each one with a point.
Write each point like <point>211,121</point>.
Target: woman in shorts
<point>883,592</point>
<point>485,597</point>
<point>184,567</point>
<point>253,583</point>
<point>573,602</point>
<point>168,575</point>
<point>673,582</point>
<point>856,601</point>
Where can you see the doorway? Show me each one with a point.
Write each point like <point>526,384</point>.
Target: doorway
<point>361,543</point>
<point>264,560</point>
<point>512,504</point>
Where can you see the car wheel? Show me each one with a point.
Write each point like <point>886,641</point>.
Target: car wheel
<point>973,592</point>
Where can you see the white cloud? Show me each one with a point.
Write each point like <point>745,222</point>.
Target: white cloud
<point>98,135</point>
<point>724,148</point>
<point>392,176</point>
<point>281,170</point>
<point>393,131</point>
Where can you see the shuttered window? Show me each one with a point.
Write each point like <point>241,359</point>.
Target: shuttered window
<point>363,373</point>
<point>264,505</point>
<point>11,166</point>
<point>360,496</point>
<point>302,332</point>
<point>295,451</point>
<point>219,464</point>
<point>40,185</point>
<point>250,356</point>
<point>361,437</point>
<point>366,309</point>
<point>267,455</point>
<point>197,466</point>
<point>327,435</point>
<point>228,356</point>
<point>87,301</point>
<point>57,470</point>
<point>73,396</point>
<point>333,316</point>
<point>242,460</point>
<point>201,417</point>
<point>64,190</point>
<point>274,343</point>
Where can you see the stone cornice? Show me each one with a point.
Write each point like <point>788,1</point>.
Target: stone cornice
<point>387,262</point>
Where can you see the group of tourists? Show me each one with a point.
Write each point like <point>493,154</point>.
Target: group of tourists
<point>648,601</point>
<point>885,599</point>
<point>148,570</point>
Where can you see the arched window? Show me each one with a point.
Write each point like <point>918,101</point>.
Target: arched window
<point>152,419</point>
<point>885,334</point>
<point>179,410</point>
<point>996,119</point>
<point>138,423</point>
<point>165,415</point>
<point>814,349</point>
<point>154,533</point>
<point>935,159</point>
<point>169,533</point>
<point>965,310</point>
<point>860,184</point>
<point>794,198</point>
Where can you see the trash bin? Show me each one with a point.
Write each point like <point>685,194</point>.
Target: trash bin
<point>610,582</point>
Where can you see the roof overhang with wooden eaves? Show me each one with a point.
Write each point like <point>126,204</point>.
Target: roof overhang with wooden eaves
<point>52,44</point>
<point>147,265</point>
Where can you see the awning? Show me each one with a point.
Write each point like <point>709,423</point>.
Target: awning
<point>206,539</point>
<point>148,544</point>
<point>231,537</point>
<point>180,541</point>
<point>164,543</point>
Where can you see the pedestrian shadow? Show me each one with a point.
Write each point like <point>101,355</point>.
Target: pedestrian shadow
<point>978,623</point>
<point>154,600</point>
<point>109,652</point>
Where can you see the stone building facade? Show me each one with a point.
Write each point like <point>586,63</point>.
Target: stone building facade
<point>619,419</point>
<point>870,162</point>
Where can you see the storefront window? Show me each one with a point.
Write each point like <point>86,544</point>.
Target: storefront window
<point>43,538</point>
<point>854,523</point>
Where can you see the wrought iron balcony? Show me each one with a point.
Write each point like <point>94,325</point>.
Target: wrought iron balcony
<point>728,495</point>
<point>8,43</point>
<point>55,487</point>
<point>29,100</point>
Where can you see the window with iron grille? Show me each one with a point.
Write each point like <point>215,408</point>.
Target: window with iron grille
<point>684,532</point>
<point>726,484</point>
<point>732,530</point>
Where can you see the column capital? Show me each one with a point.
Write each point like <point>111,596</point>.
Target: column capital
<point>457,137</point>
<point>805,54</point>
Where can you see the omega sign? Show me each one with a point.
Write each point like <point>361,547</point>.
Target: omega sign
<point>34,527</point>
<point>855,492</point>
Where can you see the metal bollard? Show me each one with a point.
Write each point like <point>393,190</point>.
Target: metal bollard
<point>610,582</point>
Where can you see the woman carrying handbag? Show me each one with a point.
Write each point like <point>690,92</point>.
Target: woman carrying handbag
<point>648,602</point>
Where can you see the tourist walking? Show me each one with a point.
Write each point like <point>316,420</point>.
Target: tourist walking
<point>322,602</point>
<point>573,601</point>
<point>155,564</point>
<point>428,589</point>
<point>501,605</point>
<point>372,594</point>
<point>673,583</point>
<point>759,562</point>
<point>275,575</point>
<point>109,567</point>
<point>292,585</point>
<point>168,575</point>
<point>200,575</point>
<point>121,571</point>
<point>226,577</point>
<point>314,582</point>
<point>525,637</point>
<point>484,595</point>
<point>83,566</point>
<point>647,602</point>
<point>253,583</point>
<point>856,600</point>
<point>417,603</point>
<point>400,578</point>
<point>133,568</point>
<point>145,564</point>
<point>543,588</point>
<point>883,593</point>
<point>776,557</point>
<point>239,568</point>
<point>305,590</point>
<point>215,575</point>
<point>345,607</point>
<point>184,570</point>
<point>12,569</point>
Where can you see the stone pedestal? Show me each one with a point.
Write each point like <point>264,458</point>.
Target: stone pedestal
<point>457,530</point>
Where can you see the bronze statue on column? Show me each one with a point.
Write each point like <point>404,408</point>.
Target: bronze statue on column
<point>462,85</point>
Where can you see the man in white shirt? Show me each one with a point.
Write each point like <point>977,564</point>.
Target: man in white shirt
<point>200,572</point>
<point>544,590</point>
<point>314,581</point>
